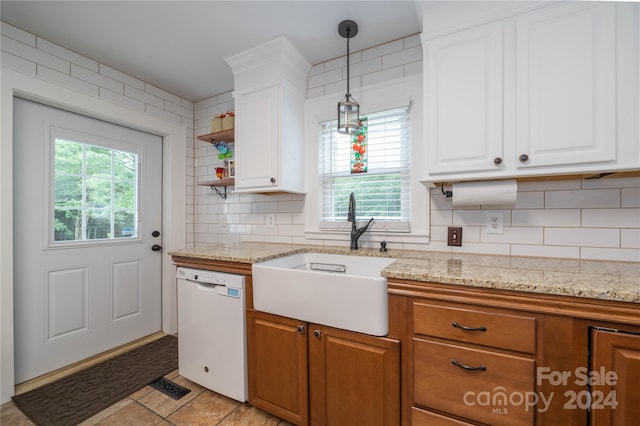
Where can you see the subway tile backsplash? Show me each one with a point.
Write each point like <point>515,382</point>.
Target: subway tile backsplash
<point>588,219</point>
<point>580,222</point>
<point>573,218</point>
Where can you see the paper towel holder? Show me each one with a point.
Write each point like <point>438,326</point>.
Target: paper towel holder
<point>501,192</point>
<point>447,194</point>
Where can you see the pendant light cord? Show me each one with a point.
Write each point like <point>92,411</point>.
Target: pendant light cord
<point>348,95</point>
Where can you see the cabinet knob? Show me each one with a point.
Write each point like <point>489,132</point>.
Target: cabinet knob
<point>317,333</point>
<point>301,329</point>
<point>497,160</point>
<point>523,158</point>
<point>273,180</point>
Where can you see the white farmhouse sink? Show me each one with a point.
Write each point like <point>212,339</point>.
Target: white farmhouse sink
<point>341,291</point>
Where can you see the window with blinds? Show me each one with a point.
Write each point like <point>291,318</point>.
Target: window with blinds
<point>384,191</point>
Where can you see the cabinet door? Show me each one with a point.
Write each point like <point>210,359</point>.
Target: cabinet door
<point>257,138</point>
<point>617,353</point>
<point>354,378</point>
<point>464,100</point>
<point>566,85</point>
<point>277,366</point>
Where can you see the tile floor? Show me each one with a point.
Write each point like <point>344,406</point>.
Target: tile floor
<point>151,407</point>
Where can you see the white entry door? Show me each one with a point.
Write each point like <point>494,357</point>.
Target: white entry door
<point>87,219</point>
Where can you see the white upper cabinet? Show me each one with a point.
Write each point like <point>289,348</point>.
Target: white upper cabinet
<point>464,100</point>
<point>258,151</point>
<point>566,85</point>
<point>541,91</point>
<point>270,83</point>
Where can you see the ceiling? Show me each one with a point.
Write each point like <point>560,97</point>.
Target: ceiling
<point>180,46</point>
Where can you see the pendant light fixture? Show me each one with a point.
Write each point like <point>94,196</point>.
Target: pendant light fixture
<point>348,108</point>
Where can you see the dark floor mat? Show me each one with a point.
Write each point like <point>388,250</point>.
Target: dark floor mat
<point>75,398</point>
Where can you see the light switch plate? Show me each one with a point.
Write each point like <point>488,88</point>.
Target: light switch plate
<point>454,236</point>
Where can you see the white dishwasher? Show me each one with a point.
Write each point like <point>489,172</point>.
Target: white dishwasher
<point>211,331</point>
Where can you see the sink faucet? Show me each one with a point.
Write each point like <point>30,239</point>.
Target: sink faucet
<point>351,217</point>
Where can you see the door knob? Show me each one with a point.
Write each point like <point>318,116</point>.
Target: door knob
<point>156,247</point>
<point>301,329</point>
<point>317,333</point>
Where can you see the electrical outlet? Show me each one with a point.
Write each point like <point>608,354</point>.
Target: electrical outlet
<point>271,221</point>
<point>495,222</point>
<point>455,236</point>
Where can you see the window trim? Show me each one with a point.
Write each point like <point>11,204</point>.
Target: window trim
<point>387,95</point>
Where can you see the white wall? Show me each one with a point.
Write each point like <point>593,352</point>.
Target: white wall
<point>246,213</point>
<point>38,70</point>
<point>581,219</point>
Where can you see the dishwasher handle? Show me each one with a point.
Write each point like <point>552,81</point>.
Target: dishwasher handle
<point>204,283</point>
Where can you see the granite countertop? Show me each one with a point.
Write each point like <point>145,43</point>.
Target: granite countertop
<point>604,280</point>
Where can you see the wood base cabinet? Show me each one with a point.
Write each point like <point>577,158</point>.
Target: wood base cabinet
<point>427,418</point>
<point>277,366</point>
<point>318,375</point>
<point>495,357</point>
<point>615,398</point>
<point>473,363</point>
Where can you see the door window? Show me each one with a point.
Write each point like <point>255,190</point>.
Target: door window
<point>95,192</point>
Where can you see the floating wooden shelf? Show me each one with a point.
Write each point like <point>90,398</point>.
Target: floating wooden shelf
<point>223,183</point>
<point>223,136</point>
<point>218,182</point>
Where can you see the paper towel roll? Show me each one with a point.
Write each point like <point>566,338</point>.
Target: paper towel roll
<point>486,193</point>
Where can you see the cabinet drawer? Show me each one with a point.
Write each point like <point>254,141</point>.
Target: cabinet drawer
<point>489,328</point>
<point>493,395</point>
<point>426,418</point>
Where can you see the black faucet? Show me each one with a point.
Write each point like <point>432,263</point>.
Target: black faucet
<point>351,217</point>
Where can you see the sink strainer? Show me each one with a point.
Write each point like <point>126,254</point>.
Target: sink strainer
<point>328,267</point>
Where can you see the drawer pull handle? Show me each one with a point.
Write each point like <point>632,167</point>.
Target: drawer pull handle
<point>466,328</point>
<point>468,367</point>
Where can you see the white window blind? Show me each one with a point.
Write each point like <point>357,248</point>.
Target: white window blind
<point>384,191</point>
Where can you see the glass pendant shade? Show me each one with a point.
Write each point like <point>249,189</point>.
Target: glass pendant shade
<point>348,116</point>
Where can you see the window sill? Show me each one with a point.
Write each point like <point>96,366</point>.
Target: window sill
<point>369,238</point>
